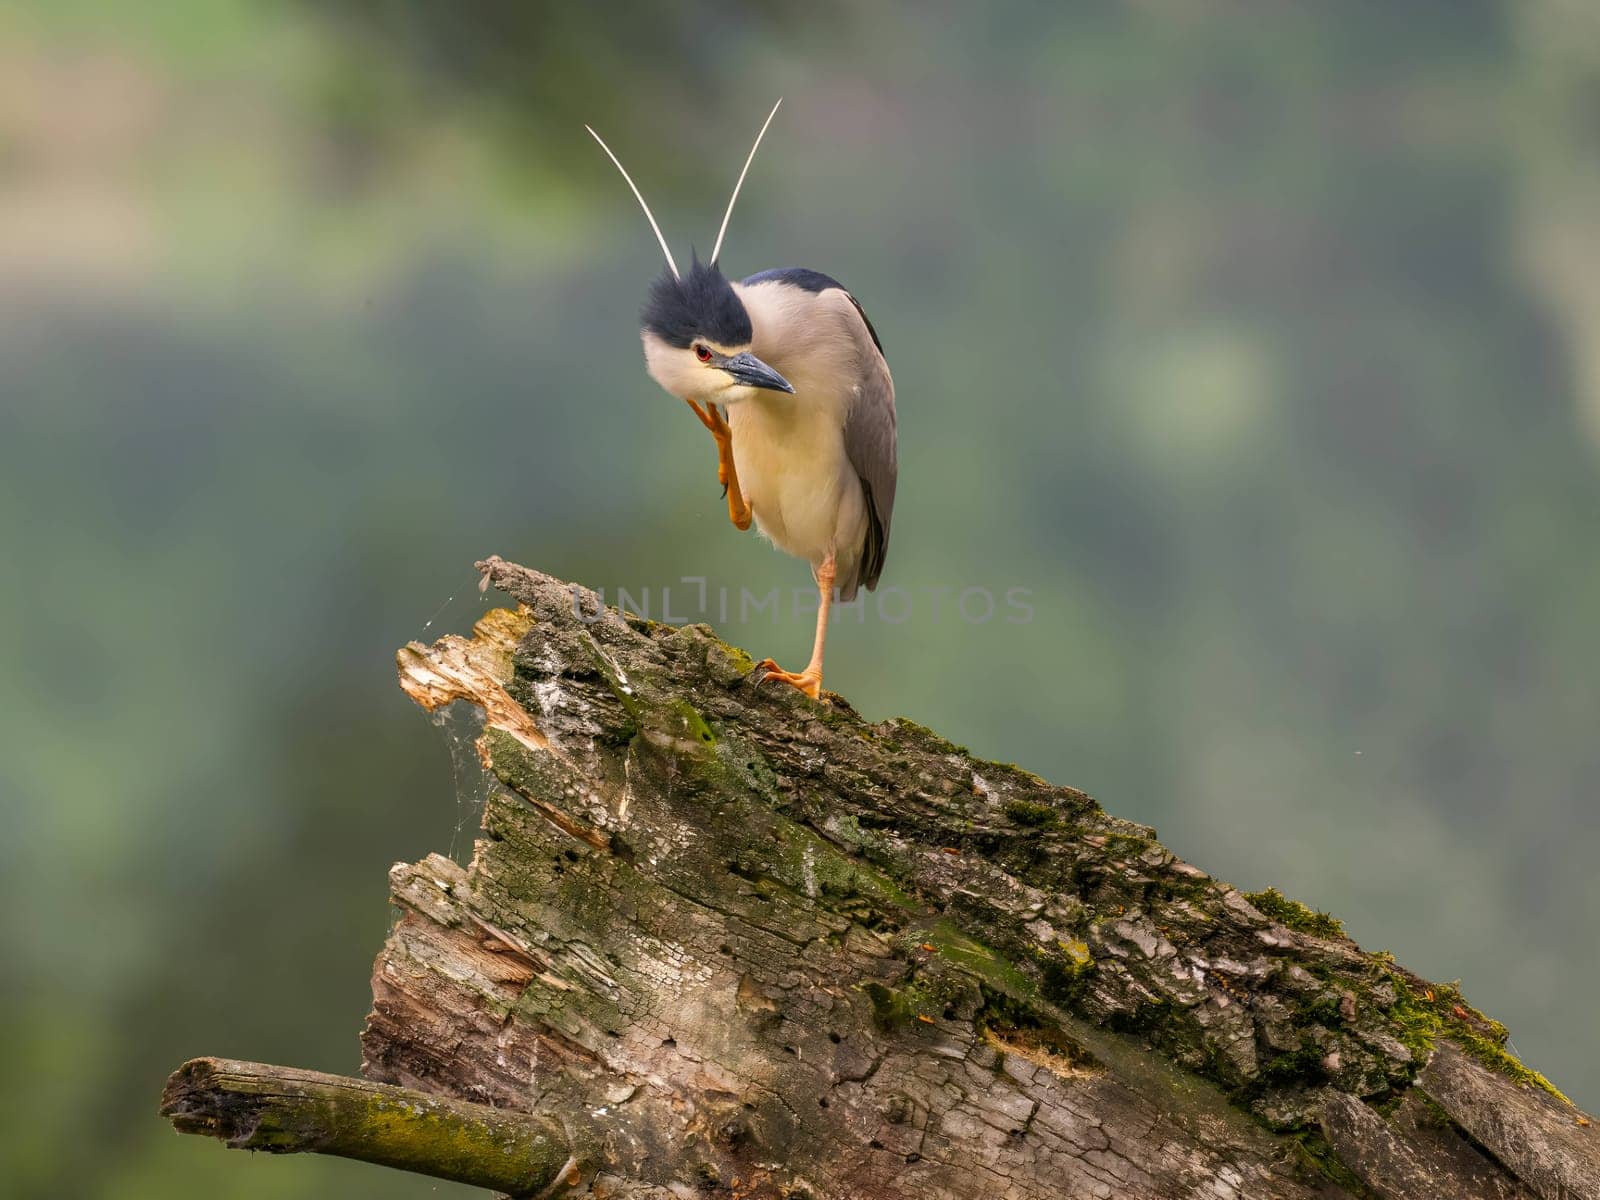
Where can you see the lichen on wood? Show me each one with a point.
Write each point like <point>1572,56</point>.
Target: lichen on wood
<point>282,1110</point>
<point>767,948</point>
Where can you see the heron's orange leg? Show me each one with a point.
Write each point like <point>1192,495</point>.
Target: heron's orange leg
<point>738,511</point>
<point>808,681</point>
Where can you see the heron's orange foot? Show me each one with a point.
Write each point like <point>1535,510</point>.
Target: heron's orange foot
<point>724,440</point>
<point>722,433</point>
<point>711,417</point>
<point>808,681</point>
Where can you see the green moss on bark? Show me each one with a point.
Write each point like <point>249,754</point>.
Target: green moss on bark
<point>1037,816</point>
<point>1439,1011</point>
<point>1291,913</point>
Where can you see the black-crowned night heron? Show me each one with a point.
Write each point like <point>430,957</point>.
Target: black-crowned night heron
<point>787,373</point>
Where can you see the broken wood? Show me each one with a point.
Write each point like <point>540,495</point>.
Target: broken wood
<point>282,1110</point>
<point>758,946</point>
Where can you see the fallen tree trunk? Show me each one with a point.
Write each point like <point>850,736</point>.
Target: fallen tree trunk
<point>733,941</point>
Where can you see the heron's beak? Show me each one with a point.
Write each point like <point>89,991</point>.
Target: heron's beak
<point>749,370</point>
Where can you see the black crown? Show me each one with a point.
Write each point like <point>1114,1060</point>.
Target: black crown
<point>702,304</point>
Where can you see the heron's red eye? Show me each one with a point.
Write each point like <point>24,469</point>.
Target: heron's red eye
<point>703,353</point>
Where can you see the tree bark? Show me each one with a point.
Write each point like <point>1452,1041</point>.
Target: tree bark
<point>752,945</point>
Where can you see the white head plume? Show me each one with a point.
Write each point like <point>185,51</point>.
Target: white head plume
<point>648,215</point>
<point>723,232</point>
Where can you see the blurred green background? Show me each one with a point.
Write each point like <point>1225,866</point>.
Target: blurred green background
<point>1260,341</point>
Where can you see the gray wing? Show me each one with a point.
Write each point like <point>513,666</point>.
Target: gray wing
<point>869,440</point>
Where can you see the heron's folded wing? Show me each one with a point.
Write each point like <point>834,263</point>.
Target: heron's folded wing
<point>869,440</point>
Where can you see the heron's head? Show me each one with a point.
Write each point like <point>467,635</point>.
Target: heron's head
<point>696,332</point>
<point>697,339</point>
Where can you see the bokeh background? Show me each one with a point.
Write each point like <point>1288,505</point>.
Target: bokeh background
<point>1261,342</point>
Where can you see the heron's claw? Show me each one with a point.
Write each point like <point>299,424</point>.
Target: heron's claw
<point>808,681</point>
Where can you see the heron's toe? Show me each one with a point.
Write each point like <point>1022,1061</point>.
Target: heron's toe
<point>807,681</point>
